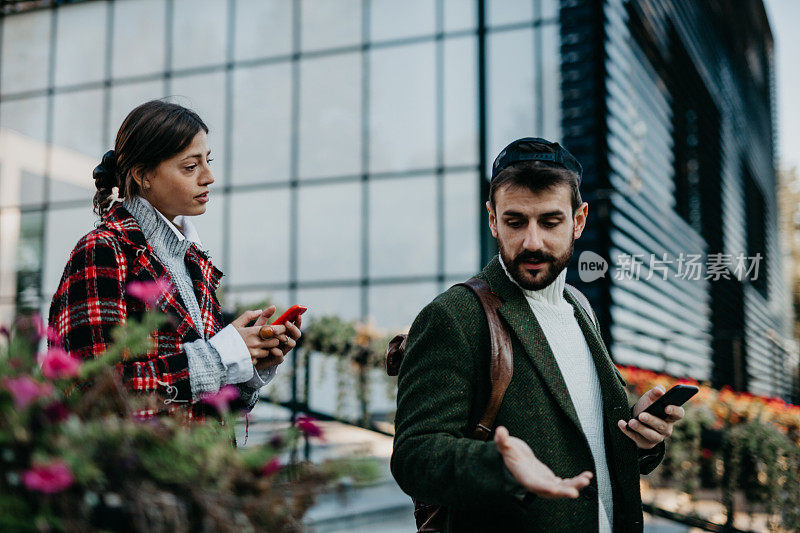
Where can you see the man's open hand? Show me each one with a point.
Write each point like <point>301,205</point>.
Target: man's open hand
<point>534,475</point>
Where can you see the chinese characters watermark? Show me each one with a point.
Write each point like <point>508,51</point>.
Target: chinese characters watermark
<point>684,266</point>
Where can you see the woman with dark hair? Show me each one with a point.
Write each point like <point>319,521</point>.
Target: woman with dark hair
<point>160,169</point>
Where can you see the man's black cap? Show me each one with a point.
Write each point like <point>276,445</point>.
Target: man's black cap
<point>526,149</point>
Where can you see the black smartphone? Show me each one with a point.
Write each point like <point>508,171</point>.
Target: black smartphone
<point>677,395</point>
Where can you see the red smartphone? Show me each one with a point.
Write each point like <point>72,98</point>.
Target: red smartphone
<point>290,315</point>
<point>677,395</point>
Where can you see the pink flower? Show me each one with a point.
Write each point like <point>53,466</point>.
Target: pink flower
<point>57,364</point>
<point>270,467</point>
<point>38,325</point>
<point>149,291</point>
<point>220,399</point>
<point>44,331</point>
<point>49,478</point>
<point>308,427</point>
<point>25,390</point>
<point>52,336</point>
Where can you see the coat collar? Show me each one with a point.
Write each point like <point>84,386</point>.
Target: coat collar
<point>523,322</point>
<point>120,221</point>
<point>124,226</point>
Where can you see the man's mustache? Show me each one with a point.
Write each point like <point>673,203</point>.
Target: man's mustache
<point>533,257</point>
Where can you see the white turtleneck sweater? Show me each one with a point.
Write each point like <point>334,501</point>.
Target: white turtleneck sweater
<point>557,318</point>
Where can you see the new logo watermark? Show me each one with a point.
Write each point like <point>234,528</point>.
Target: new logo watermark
<point>592,266</point>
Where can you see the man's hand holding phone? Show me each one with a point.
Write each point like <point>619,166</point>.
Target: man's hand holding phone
<point>653,420</point>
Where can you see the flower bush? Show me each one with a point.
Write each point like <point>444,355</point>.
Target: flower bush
<point>734,442</point>
<point>360,347</point>
<point>75,455</point>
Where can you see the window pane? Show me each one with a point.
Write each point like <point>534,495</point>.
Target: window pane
<point>390,19</point>
<point>461,207</point>
<point>330,116</point>
<point>29,260</point>
<point>81,43</point>
<point>124,98</point>
<point>549,9</point>
<point>27,117</point>
<point>330,232</point>
<point>327,24</point>
<point>251,299</point>
<point>459,14</point>
<point>343,302</point>
<point>509,11</point>
<point>65,227</point>
<point>199,33</point>
<point>139,37</point>
<point>31,190</point>
<point>9,242</point>
<point>402,108</point>
<point>259,238</point>
<point>396,306</point>
<point>261,134</point>
<point>210,226</point>
<point>402,227</point>
<point>460,102</point>
<point>25,52</point>
<point>263,28</point>
<point>205,94</point>
<point>22,127</point>
<point>77,144</point>
<point>511,89</point>
<point>551,81</point>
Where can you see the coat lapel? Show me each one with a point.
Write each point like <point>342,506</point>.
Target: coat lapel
<point>615,400</point>
<point>517,313</point>
<point>205,280</point>
<point>621,451</point>
<point>523,322</point>
<point>147,267</point>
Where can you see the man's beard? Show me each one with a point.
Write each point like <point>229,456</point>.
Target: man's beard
<point>545,275</point>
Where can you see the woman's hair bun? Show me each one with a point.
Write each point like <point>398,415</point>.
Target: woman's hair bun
<point>105,174</point>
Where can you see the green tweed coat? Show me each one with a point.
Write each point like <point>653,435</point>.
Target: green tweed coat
<point>442,391</point>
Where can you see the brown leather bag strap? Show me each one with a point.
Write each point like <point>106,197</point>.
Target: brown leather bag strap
<point>584,303</point>
<point>501,367</point>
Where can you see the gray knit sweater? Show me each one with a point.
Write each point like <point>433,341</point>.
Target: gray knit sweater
<point>206,370</point>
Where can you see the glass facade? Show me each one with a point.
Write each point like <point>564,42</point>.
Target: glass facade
<point>345,132</point>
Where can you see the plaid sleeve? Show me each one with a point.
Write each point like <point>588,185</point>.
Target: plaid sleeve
<point>90,301</point>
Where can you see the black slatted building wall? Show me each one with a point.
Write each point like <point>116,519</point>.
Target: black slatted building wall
<point>670,103</point>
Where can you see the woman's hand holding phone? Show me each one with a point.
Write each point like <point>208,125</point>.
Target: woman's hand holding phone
<point>265,352</point>
<point>286,329</point>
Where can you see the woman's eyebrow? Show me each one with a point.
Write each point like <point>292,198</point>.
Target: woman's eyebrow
<point>196,155</point>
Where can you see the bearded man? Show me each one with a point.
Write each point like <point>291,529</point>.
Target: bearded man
<point>567,449</point>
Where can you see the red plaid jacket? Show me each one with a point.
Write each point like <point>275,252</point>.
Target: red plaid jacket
<point>92,298</point>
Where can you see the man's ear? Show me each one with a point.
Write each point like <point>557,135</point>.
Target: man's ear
<point>579,219</point>
<point>492,219</point>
